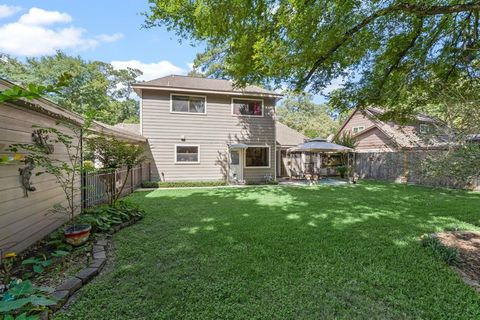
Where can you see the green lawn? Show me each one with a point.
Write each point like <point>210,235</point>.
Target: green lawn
<point>344,252</point>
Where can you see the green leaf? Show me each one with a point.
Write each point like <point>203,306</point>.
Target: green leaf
<point>23,288</point>
<point>7,306</point>
<point>42,301</point>
<point>38,268</point>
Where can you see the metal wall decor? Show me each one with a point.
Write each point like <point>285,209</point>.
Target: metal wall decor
<point>40,139</point>
<point>26,174</point>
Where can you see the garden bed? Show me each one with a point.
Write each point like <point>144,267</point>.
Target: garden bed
<point>467,244</point>
<point>54,270</point>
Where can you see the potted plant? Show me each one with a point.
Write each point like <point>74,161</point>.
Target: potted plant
<point>342,170</point>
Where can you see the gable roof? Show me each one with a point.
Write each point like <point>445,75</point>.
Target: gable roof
<point>287,136</point>
<point>400,135</point>
<point>198,84</point>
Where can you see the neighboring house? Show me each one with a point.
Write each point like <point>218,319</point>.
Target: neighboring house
<point>375,135</point>
<point>287,138</point>
<point>206,129</point>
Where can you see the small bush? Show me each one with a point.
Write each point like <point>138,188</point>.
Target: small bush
<point>260,183</point>
<point>104,217</point>
<point>447,254</point>
<point>181,184</point>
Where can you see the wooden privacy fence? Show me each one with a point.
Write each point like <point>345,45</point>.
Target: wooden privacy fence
<point>94,183</point>
<point>404,167</point>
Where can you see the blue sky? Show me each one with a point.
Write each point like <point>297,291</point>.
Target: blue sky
<point>103,30</point>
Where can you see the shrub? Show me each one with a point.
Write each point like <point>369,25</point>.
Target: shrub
<point>104,217</point>
<point>182,184</point>
<point>447,254</point>
<point>342,170</point>
<point>260,183</point>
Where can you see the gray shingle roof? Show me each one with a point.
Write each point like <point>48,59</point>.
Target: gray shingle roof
<point>287,136</point>
<point>204,84</point>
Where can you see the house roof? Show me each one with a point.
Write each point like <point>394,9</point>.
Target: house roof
<point>198,84</point>
<point>130,127</point>
<point>400,135</point>
<point>287,136</point>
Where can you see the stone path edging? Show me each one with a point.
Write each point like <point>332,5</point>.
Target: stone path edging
<point>99,253</point>
<point>71,285</point>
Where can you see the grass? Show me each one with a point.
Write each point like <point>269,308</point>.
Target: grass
<point>324,252</point>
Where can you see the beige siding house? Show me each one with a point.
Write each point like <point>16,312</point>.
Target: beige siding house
<point>375,135</point>
<point>201,129</point>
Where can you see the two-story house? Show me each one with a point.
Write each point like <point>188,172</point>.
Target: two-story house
<point>207,129</point>
<point>375,135</point>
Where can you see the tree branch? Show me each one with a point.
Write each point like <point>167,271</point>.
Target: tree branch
<point>415,9</point>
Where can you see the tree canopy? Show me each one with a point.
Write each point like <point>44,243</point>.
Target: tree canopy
<point>299,112</point>
<point>92,85</point>
<point>384,49</point>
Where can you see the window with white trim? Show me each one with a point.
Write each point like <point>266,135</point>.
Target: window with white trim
<point>358,129</point>
<point>187,154</point>
<point>247,107</point>
<point>188,104</point>
<point>257,157</point>
<point>424,128</point>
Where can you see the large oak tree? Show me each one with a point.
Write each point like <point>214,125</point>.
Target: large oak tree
<point>386,49</point>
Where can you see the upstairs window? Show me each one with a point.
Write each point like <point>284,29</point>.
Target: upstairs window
<point>358,129</point>
<point>188,104</point>
<point>187,154</point>
<point>247,107</point>
<point>424,128</point>
<point>257,157</point>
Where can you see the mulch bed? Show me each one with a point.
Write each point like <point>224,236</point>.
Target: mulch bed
<point>468,246</point>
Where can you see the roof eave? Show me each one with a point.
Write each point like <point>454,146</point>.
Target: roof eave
<point>139,86</point>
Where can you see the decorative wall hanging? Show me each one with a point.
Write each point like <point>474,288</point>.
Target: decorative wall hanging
<point>25,175</point>
<point>40,139</point>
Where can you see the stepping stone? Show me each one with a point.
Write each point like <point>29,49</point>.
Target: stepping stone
<point>97,263</point>
<point>71,285</point>
<point>87,274</point>
<point>61,297</point>
<point>99,255</point>
<point>101,242</point>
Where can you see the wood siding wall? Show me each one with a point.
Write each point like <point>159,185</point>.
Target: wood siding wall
<point>24,220</point>
<point>372,140</point>
<point>212,132</point>
<point>404,167</point>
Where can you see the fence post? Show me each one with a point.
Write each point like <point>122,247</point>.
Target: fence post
<point>131,179</point>
<point>83,193</point>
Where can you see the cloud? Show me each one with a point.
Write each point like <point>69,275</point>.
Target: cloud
<point>150,70</point>
<point>40,17</point>
<point>34,34</point>
<point>7,11</point>
<point>110,37</point>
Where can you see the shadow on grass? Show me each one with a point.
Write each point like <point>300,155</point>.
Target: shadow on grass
<point>286,252</point>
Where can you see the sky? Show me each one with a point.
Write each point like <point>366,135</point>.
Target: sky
<point>104,30</point>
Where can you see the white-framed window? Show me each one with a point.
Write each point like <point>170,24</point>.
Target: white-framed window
<point>182,103</point>
<point>247,107</point>
<point>257,157</point>
<point>187,153</point>
<point>424,128</point>
<point>358,129</point>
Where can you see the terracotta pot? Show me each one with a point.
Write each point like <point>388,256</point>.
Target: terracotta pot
<point>77,235</point>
